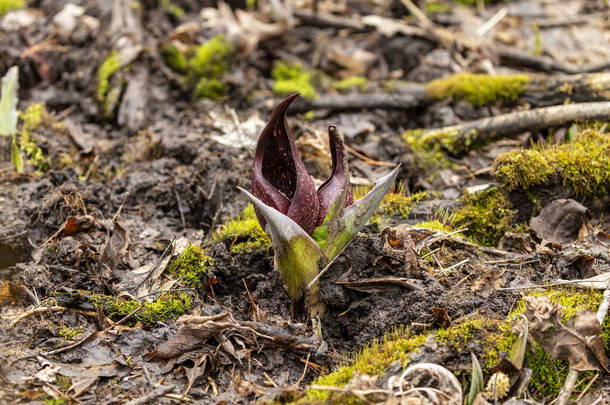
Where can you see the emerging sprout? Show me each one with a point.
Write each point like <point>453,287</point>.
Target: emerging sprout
<point>8,114</point>
<point>308,227</point>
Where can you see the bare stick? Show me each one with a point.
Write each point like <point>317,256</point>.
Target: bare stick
<point>463,137</point>
<point>539,92</point>
<point>568,387</point>
<point>152,395</point>
<point>357,101</point>
<point>37,311</point>
<point>602,311</point>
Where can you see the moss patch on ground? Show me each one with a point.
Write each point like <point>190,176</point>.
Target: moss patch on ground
<point>191,266</point>
<point>479,89</point>
<point>202,67</point>
<point>167,307</point>
<point>291,78</point>
<point>583,166</point>
<point>32,118</point>
<point>67,333</point>
<point>487,215</point>
<point>394,203</point>
<point>430,146</point>
<point>109,67</point>
<point>352,82</point>
<point>492,336</point>
<point>548,374</point>
<point>396,346</point>
<point>244,233</point>
<point>10,5</point>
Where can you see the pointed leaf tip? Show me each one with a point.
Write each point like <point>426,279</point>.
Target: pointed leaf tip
<point>356,215</point>
<point>338,184</point>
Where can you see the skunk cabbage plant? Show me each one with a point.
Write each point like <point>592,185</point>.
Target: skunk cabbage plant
<point>308,227</point>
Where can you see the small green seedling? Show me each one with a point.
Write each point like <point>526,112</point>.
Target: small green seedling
<point>9,115</point>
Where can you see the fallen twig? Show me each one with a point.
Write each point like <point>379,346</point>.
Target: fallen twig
<point>539,92</point>
<point>459,139</point>
<point>328,20</point>
<point>568,387</point>
<point>37,311</point>
<point>514,57</point>
<point>357,101</point>
<point>152,395</point>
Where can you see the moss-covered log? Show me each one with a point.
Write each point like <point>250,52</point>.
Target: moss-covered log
<point>477,89</point>
<point>459,139</point>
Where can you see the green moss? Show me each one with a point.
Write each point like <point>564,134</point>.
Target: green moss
<point>172,9</point>
<point>68,333</point>
<point>430,145</point>
<point>211,59</point>
<point>478,89</point>
<point>436,225</point>
<point>244,233</point>
<point>191,265</point>
<point>358,82</point>
<point>10,5</point>
<point>434,7</point>
<point>488,215</point>
<point>522,169</point>
<point>202,67</point>
<point>497,342</point>
<point>458,335</point>
<point>109,66</point>
<point>174,59</point>
<point>55,401</point>
<point>394,203</point>
<point>291,78</point>
<point>396,346</point>
<point>212,89</point>
<point>63,383</point>
<point>548,374</point>
<point>164,309</point>
<point>32,118</point>
<point>583,166</point>
<point>493,336</point>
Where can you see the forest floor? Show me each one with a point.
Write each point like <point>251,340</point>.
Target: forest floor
<point>132,270</point>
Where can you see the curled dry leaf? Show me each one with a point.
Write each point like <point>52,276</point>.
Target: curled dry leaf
<point>577,342</point>
<point>580,344</point>
<point>561,222</point>
<point>193,330</point>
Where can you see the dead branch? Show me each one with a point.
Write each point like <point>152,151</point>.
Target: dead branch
<point>356,101</point>
<point>512,57</point>
<point>459,139</point>
<point>328,20</point>
<point>539,92</point>
<point>152,395</point>
<point>37,311</point>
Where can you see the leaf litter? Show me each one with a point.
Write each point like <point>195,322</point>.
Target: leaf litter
<point>137,176</point>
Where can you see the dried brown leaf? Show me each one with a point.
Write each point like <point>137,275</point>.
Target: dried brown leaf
<point>561,221</point>
<point>580,344</point>
<point>193,331</point>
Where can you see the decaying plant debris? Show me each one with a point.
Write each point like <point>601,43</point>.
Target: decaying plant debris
<point>133,270</point>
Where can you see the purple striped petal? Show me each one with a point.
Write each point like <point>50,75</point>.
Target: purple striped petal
<point>279,177</point>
